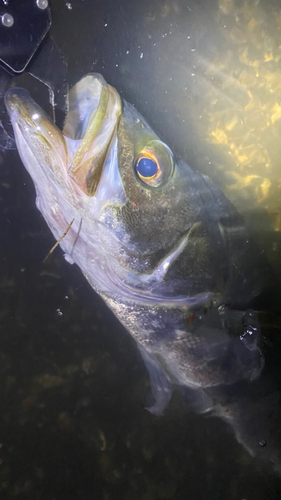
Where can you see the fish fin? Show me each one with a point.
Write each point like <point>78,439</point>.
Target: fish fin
<point>161,387</point>
<point>198,400</point>
<point>68,258</point>
<point>253,413</point>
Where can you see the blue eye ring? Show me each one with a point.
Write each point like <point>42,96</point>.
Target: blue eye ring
<point>148,168</point>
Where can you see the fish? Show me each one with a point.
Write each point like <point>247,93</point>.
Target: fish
<point>157,240</point>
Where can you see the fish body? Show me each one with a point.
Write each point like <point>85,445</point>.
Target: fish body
<point>157,240</point>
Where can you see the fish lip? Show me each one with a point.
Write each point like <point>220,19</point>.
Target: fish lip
<point>81,106</point>
<point>23,110</point>
<point>12,92</point>
<point>15,97</point>
<point>11,97</point>
<point>90,128</point>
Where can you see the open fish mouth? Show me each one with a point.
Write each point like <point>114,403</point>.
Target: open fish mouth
<point>75,171</point>
<point>82,148</point>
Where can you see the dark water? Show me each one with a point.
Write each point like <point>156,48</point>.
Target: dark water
<point>73,423</point>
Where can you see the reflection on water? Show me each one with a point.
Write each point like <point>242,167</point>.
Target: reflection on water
<point>239,115</point>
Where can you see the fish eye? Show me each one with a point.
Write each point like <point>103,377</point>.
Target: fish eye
<point>148,169</point>
<point>154,164</point>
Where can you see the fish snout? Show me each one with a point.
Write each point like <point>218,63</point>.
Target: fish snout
<point>16,99</point>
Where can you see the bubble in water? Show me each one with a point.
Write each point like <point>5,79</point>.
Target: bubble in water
<point>7,20</point>
<point>251,330</point>
<point>42,4</point>
<point>59,312</point>
<point>69,6</point>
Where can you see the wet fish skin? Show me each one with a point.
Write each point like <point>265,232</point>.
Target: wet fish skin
<point>174,262</point>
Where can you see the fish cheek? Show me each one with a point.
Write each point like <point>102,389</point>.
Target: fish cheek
<point>141,215</point>
<point>149,215</point>
<point>131,137</point>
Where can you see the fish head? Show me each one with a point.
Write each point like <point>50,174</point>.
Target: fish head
<point>148,232</point>
<point>134,206</point>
